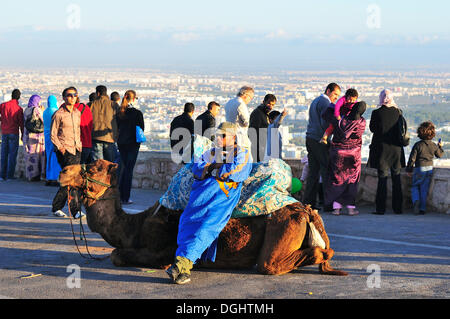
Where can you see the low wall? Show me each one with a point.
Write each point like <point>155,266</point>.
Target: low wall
<point>154,170</point>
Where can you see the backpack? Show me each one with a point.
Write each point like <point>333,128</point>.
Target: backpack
<point>403,134</point>
<point>34,124</point>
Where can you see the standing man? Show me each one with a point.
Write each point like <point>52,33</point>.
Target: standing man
<point>86,133</point>
<point>205,123</point>
<point>66,137</point>
<point>11,118</point>
<point>259,122</point>
<point>318,152</point>
<point>236,111</point>
<point>104,126</point>
<point>181,131</point>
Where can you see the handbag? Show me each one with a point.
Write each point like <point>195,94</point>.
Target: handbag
<point>140,136</point>
<point>403,134</point>
<point>314,238</point>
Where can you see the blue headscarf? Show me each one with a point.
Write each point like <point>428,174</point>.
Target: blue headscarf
<point>52,107</point>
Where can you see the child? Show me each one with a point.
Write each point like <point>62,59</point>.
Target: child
<point>343,107</point>
<point>274,150</point>
<point>421,158</point>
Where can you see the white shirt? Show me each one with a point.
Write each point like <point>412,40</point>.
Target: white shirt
<point>236,111</point>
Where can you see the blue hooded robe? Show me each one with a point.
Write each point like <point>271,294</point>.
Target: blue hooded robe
<point>53,168</point>
<point>212,200</point>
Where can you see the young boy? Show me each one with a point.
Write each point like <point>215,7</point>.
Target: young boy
<point>274,139</point>
<point>421,162</point>
<point>343,107</point>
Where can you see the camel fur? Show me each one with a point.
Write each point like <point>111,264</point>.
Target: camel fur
<point>275,244</point>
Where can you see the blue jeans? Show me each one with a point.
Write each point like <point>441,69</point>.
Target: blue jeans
<point>10,146</point>
<point>420,185</point>
<point>103,150</point>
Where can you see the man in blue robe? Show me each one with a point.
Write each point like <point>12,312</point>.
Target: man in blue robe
<point>218,177</point>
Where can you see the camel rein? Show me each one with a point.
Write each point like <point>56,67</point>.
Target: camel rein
<point>90,196</point>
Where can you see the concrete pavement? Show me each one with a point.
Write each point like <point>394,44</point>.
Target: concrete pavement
<point>390,256</point>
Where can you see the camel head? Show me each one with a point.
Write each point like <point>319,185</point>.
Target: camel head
<point>91,178</point>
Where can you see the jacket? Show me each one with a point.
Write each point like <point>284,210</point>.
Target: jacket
<point>85,125</point>
<point>181,121</point>
<point>127,126</point>
<point>422,154</point>
<point>204,122</point>
<point>66,132</point>
<point>104,125</point>
<point>11,117</point>
<point>259,120</point>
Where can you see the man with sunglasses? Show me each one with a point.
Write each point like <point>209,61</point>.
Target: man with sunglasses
<point>218,177</point>
<point>66,137</point>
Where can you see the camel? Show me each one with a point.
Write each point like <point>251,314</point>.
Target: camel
<point>275,244</point>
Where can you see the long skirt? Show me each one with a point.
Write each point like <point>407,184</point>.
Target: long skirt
<point>35,160</point>
<point>53,167</point>
<point>344,172</point>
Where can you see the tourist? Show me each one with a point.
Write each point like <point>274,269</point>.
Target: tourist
<point>127,120</point>
<point>274,147</point>
<point>66,136</point>
<point>104,126</point>
<point>34,140</point>
<point>115,97</point>
<point>181,132</point>
<point>317,152</point>
<point>343,107</point>
<point>52,168</point>
<point>11,118</point>
<point>344,165</point>
<point>218,177</point>
<point>86,133</point>
<point>236,111</point>
<point>92,98</point>
<point>421,162</point>
<point>205,123</point>
<point>385,152</point>
<point>259,122</point>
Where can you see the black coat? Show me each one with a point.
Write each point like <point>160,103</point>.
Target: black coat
<point>384,149</point>
<point>182,121</point>
<point>259,120</point>
<point>127,126</point>
<point>205,121</point>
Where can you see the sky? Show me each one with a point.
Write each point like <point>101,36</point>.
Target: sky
<point>222,35</point>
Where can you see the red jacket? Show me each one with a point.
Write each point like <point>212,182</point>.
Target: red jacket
<point>86,125</point>
<point>11,117</point>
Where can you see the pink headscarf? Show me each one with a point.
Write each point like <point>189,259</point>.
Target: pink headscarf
<point>387,98</point>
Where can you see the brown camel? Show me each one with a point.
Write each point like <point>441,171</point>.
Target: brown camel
<point>276,243</point>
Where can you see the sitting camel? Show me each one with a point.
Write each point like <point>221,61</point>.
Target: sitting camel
<point>275,243</point>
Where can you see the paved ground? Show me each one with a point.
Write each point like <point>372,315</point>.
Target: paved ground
<point>388,256</point>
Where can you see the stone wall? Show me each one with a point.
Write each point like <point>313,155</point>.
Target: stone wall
<point>154,170</point>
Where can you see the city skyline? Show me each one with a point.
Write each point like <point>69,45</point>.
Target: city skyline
<point>200,35</point>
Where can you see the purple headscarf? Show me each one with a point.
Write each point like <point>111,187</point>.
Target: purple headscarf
<point>34,101</point>
<point>387,98</point>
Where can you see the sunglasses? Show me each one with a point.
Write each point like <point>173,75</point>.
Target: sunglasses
<point>72,95</point>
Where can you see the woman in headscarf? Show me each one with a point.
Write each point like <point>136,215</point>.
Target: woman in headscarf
<point>386,154</point>
<point>34,141</point>
<point>344,165</point>
<point>53,168</point>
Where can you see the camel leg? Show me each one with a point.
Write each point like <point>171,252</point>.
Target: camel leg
<point>281,252</point>
<point>140,257</point>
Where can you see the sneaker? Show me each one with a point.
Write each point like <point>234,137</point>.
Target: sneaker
<point>79,215</point>
<point>173,272</point>
<point>129,202</point>
<point>59,213</point>
<point>183,278</point>
<point>422,212</point>
<point>352,212</point>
